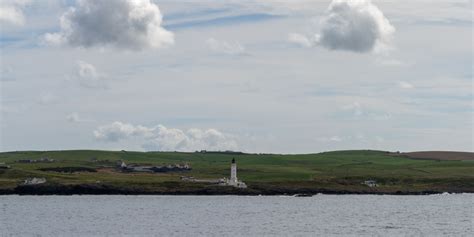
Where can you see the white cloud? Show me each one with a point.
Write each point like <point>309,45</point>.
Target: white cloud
<point>355,107</point>
<point>6,73</point>
<point>11,11</point>
<point>357,110</point>
<point>46,98</point>
<point>330,139</point>
<point>12,15</point>
<point>117,131</point>
<point>12,109</point>
<point>88,76</point>
<point>379,139</point>
<point>231,48</point>
<point>351,25</point>
<point>75,118</point>
<point>389,62</point>
<point>301,40</point>
<point>167,139</point>
<point>127,24</point>
<point>405,85</point>
<point>357,138</point>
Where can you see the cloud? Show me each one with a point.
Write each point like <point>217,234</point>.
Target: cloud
<point>221,21</point>
<point>11,11</point>
<point>117,131</point>
<point>357,110</point>
<point>300,39</point>
<point>6,73</point>
<point>330,139</point>
<point>167,139</point>
<point>389,62</point>
<point>355,107</point>
<point>75,118</point>
<point>127,24</point>
<point>231,48</point>
<point>351,25</point>
<point>46,98</point>
<point>88,76</point>
<point>405,85</point>
<point>357,138</point>
<point>6,110</point>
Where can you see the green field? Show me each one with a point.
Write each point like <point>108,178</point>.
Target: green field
<point>329,172</point>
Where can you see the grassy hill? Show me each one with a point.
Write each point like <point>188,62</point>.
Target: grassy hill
<point>329,172</point>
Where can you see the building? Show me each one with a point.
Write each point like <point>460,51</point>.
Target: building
<point>34,181</point>
<point>233,173</point>
<point>26,161</point>
<point>4,166</point>
<point>41,160</point>
<point>45,160</point>
<point>234,181</point>
<point>153,169</point>
<point>370,183</point>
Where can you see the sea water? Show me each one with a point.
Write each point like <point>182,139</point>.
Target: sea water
<point>320,215</point>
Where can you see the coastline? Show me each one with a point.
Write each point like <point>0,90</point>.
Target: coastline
<point>362,172</point>
<point>66,190</point>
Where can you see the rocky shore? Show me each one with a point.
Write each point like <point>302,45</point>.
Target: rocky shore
<point>88,189</point>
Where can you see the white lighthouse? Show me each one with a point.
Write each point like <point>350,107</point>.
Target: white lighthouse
<point>233,181</point>
<point>233,173</point>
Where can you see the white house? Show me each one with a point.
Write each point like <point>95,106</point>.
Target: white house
<point>370,183</point>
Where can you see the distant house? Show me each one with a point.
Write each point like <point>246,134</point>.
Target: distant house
<point>34,181</point>
<point>370,183</point>
<point>40,160</point>
<point>152,169</point>
<point>45,159</point>
<point>26,161</point>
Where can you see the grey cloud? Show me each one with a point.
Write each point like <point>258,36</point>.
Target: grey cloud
<point>128,24</point>
<point>350,25</point>
<point>355,26</point>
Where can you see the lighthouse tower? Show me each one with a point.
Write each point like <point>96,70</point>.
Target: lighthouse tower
<point>233,173</point>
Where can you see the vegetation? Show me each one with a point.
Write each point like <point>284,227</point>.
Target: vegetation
<point>329,172</point>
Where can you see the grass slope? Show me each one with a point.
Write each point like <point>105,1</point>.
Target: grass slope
<point>338,171</point>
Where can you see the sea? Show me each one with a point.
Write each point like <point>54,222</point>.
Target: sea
<point>319,215</point>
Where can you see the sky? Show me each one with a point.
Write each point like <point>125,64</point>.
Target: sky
<point>261,76</point>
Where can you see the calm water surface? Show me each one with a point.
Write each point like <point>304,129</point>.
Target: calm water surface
<point>320,215</point>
